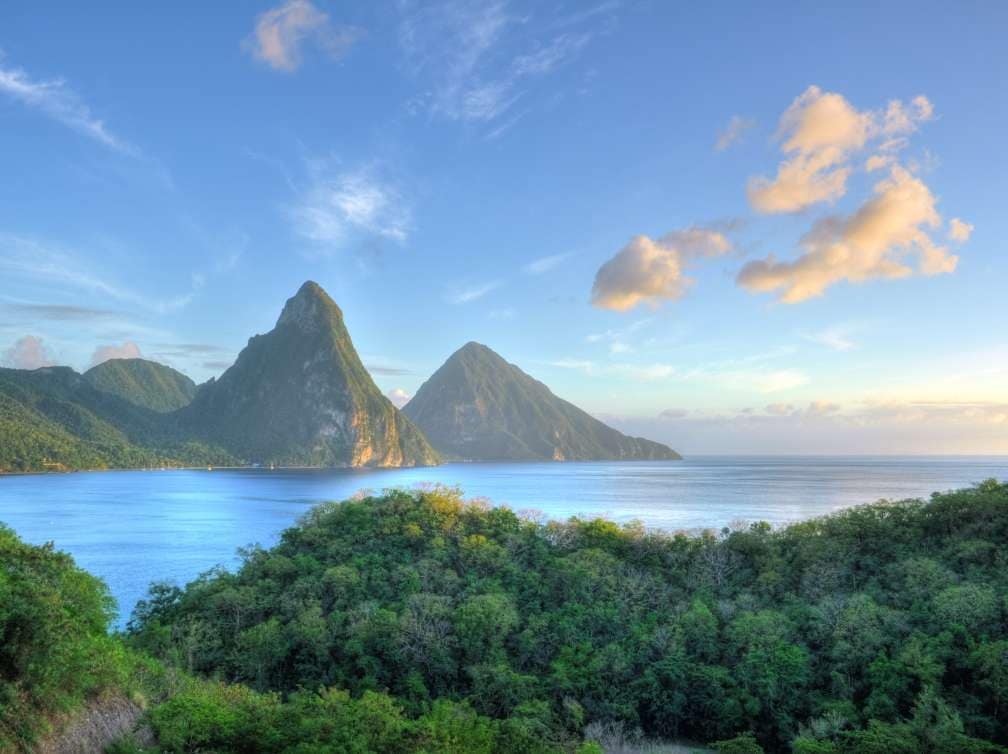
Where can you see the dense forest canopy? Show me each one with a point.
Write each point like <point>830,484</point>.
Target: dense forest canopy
<point>879,628</point>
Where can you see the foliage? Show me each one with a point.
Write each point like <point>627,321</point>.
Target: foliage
<point>143,383</point>
<point>54,649</point>
<point>52,419</point>
<point>879,627</point>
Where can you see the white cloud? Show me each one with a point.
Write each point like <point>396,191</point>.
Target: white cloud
<point>128,350</point>
<point>871,244</point>
<point>398,396</point>
<point>651,271</point>
<point>59,102</point>
<point>281,33</point>
<point>338,203</point>
<point>472,293</point>
<point>959,230</point>
<point>733,132</point>
<point>545,264</point>
<point>28,352</point>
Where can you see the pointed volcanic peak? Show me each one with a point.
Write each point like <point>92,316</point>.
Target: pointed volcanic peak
<point>478,407</point>
<point>143,383</point>
<point>299,395</point>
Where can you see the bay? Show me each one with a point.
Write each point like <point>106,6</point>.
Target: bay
<point>135,527</point>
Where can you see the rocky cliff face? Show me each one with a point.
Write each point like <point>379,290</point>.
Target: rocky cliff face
<point>299,395</point>
<point>477,406</point>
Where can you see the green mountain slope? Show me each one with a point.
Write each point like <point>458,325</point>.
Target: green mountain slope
<point>53,418</point>
<point>477,406</point>
<point>143,383</point>
<point>300,395</point>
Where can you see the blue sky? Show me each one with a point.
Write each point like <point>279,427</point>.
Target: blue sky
<point>735,229</point>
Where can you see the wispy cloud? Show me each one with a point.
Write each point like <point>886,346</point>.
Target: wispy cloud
<point>837,338</point>
<point>479,58</point>
<point>61,312</point>
<point>635,372</point>
<point>339,203</point>
<point>386,370</point>
<point>281,33</point>
<point>545,264</point>
<point>472,293</point>
<point>54,98</point>
<point>545,58</point>
<point>733,132</point>
<point>28,258</point>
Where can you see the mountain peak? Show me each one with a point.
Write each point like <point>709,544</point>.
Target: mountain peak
<point>300,395</point>
<point>472,348</point>
<point>310,308</point>
<point>477,406</point>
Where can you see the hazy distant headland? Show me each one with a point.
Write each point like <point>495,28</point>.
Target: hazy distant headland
<point>298,395</point>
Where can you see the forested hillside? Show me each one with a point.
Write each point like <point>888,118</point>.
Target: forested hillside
<point>143,383</point>
<point>877,629</point>
<point>53,419</point>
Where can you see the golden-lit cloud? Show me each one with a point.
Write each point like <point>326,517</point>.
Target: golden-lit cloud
<point>877,242</point>
<point>959,230</point>
<point>650,270</point>
<point>819,133</point>
<point>819,130</point>
<point>281,32</point>
<point>878,162</point>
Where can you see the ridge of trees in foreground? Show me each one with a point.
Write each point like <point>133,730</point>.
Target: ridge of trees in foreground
<point>417,622</point>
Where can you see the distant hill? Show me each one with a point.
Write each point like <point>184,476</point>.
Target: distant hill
<point>143,383</point>
<point>478,407</point>
<point>299,395</point>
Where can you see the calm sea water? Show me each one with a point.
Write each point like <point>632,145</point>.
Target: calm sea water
<point>134,527</point>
